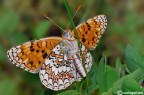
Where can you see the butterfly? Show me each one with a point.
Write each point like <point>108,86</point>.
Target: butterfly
<point>58,59</point>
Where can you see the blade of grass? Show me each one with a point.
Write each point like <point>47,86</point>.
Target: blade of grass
<point>79,87</point>
<point>87,84</point>
<point>75,32</point>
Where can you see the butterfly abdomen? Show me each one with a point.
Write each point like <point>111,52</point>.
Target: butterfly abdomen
<point>79,66</point>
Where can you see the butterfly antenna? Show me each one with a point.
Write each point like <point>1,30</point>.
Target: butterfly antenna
<point>74,15</point>
<point>53,22</point>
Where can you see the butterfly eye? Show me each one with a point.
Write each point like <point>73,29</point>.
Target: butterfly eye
<point>65,34</point>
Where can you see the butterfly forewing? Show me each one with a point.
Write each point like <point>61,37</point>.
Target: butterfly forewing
<point>31,55</point>
<point>91,30</point>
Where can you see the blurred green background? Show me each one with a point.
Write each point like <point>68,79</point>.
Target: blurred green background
<point>22,21</point>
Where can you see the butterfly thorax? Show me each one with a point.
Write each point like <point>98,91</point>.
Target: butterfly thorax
<point>69,43</point>
<point>68,34</point>
<point>69,47</point>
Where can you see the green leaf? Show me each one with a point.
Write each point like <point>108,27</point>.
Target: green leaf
<point>100,70</point>
<point>93,72</point>
<point>119,67</point>
<point>117,86</point>
<point>107,81</point>
<point>69,92</point>
<point>108,68</point>
<point>130,85</point>
<point>133,59</point>
<point>127,69</point>
<point>118,64</point>
<point>107,93</point>
<point>137,75</point>
<point>91,88</point>
<point>7,87</point>
<point>42,29</point>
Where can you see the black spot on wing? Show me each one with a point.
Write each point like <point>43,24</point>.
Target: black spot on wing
<point>83,40</point>
<point>31,62</point>
<point>31,49</point>
<point>45,55</point>
<point>37,51</point>
<point>43,51</point>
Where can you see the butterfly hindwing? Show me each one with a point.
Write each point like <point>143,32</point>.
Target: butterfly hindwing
<point>91,30</point>
<point>31,55</point>
<point>57,71</point>
<point>87,58</point>
<point>86,61</point>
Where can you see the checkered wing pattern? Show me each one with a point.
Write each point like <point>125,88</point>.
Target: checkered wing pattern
<point>59,70</point>
<point>31,55</point>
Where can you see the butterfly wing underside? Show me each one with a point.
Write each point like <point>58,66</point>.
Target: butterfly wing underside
<point>58,71</point>
<point>31,55</point>
<point>91,30</point>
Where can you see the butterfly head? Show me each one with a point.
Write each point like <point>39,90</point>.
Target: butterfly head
<point>68,34</point>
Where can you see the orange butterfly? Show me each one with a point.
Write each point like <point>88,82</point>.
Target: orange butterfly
<point>57,59</point>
